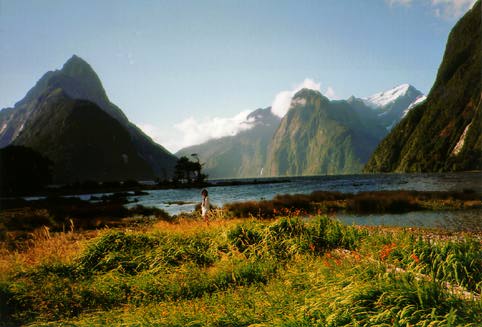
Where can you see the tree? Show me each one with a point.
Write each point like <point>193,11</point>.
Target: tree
<point>188,171</point>
<point>200,177</point>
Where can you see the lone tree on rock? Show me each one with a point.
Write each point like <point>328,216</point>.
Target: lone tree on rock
<point>187,171</point>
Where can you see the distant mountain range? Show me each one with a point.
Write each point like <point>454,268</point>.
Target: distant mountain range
<point>443,133</point>
<point>316,136</point>
<point>68,118</point>
<point>241,155</point>
<point>392,105</point>
<point>319,136</point>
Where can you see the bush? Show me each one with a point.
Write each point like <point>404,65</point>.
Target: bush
<point>174,251</point>
<point>150,212</point>
<point>381,202</point>
<point>243,236</point>
<point>117,250</point>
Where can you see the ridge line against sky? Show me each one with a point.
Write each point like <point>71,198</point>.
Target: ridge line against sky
<point>189,71</point>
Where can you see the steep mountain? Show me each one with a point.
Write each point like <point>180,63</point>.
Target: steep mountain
<point>391,105</point>
<point>82,141</point>
<point>78,80</point>
<point>239,156</point>
<point>319,136</point>
<point>444,132</point>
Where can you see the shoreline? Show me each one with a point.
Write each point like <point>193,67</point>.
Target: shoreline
<point>73,191</point>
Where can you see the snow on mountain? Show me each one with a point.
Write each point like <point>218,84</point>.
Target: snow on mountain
<point>384,98</point>
<point>392,105</point>
<point>420,99</point>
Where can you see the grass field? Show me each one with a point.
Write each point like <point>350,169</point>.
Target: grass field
<point>285,271</point>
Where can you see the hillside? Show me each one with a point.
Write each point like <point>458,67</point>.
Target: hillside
<point>78,80</point>
<point>391,105</point>
<point>318,136</point>
<point>351,130</point>
<point>239,156</point>
<point>444,133</point>
<point>82,141</point>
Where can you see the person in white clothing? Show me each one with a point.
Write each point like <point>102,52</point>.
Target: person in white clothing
<point>205,206</point>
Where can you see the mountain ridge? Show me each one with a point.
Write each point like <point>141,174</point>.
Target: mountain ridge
<point>444,132</point>
<point>78,81</point>
<point>222,161</point>
<point>105,152</point>
<point>319,136</point>
<point>239,156</point>
<point>393,104</point>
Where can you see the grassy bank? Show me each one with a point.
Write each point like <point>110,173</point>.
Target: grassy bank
<point>20,220</point>
<point>282,272</point>
<point>322,202</point>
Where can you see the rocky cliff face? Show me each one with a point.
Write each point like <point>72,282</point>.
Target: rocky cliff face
<point>239,156</point>
<point>319,136</point>
<point>78,81</point>
<point>82,141</point>
<point>444,132</point>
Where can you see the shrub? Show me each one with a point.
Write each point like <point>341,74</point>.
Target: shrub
<point>243,236</point>
<point>381,202</point>
<point>174,251</point>
<point>149,212</point>
<point>117,250</point>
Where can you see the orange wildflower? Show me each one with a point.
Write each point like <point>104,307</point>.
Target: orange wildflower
<point>415,257</point>
<point>386,250</point>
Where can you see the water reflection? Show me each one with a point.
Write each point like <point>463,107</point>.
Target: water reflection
<point>457,220</point>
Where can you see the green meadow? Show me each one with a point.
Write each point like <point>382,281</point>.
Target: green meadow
<point>285,271</point>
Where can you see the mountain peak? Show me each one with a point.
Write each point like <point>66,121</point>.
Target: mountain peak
<point>75,58</point>
<point>80,81</point>
<point>78,67</point>
<point>304,93</point>
<point>384,98</point>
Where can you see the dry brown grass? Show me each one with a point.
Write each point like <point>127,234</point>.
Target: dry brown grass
<point>42,248</point>
<point>46,247</point>
<point>190,227</point>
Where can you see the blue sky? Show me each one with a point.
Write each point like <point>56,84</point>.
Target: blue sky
<point>188,70</point>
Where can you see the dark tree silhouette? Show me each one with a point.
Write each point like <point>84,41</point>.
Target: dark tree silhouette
<point>23,171</point>
<point>188,171</point>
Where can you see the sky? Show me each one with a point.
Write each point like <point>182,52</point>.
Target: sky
<point>186,71</point>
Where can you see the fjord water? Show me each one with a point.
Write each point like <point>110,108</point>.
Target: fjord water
<point>175,201</point>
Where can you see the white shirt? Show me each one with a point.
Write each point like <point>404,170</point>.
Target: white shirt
<point>205,206</point>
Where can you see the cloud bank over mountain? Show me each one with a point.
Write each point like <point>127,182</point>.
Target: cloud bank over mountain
<point>193,130</point>
<point>282,100</point>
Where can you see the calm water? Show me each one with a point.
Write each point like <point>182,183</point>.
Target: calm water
<point>461,220</point>
<point>346,183</point>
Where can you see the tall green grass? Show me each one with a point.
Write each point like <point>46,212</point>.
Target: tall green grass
<point>287,272</point>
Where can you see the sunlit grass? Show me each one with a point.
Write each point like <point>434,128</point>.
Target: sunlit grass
<point>284,272</point>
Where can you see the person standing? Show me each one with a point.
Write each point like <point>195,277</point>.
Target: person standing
<point>205,206</point>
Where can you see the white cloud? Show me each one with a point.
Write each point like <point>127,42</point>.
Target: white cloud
<point>448,9</point>
<point>399,2</point>
<point>330,93</point>
<point>191,131</point>
<point>282,101</point>
<point>451,9</point>
<point>196,132</point>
